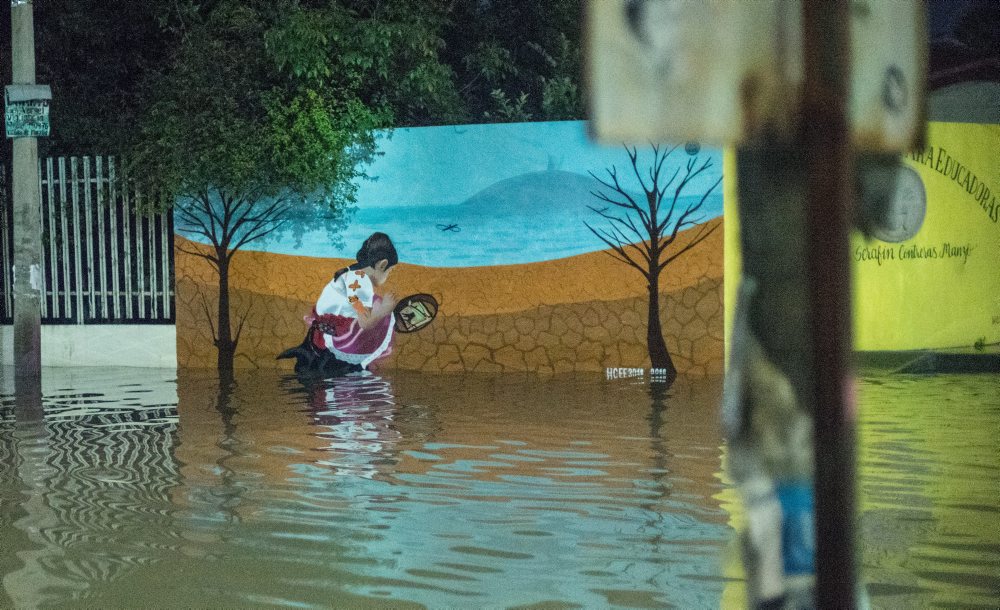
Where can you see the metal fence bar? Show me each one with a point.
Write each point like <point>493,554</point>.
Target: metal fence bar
<point>77,240</point>
<point>102,206</point>
<point>165,262</point>
<point>64,235</point>
<point>41,221</point>
<point>53,285</point>
<point>45,281</point>
<point>113,216</point>
<point>89,215</point>
<point>7,310</point>
<point>154,309</point>
<point>140,266</point>
<point>127,247</point>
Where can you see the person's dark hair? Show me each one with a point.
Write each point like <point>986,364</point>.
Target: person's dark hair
<point>378,246</point>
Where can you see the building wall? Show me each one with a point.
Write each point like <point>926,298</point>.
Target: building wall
<point>940,289</point>
<point>68,345</point>
<point>584,313</point>
<point>492,220</point>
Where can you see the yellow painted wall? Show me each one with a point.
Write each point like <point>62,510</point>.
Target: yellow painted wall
<point>941,299</point>
<point>730,242</point>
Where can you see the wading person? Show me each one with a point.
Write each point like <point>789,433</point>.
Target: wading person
<point>351,327</point>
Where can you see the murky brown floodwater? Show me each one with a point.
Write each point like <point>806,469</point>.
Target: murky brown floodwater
<point>152,488</point>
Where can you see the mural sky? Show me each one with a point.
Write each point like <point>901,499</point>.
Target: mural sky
<point>499,194</point>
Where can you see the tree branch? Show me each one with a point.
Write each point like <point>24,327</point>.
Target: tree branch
<point>208,316</point>
<point>214,261</point>
<point>626,222</point>
<point>692,209</point>
<point>628,262</point>
<point>617,187</point>
<point>700,237</point>
<point>619,249</point>
<point>206,205</point>
<point>226,219</point>
<point>239,328</point>
<point>261,218</point>
<point>645,250</point>
<point>663,190</point>
<point>633,157</point>
<point>191,218</point>
<point>659,165</point>
<point>607,199</point>
<point>251,235</point>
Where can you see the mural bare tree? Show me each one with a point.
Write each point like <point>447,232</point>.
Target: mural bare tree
<point>641,230</point>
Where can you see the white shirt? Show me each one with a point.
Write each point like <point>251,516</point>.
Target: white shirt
<point>342,295</point>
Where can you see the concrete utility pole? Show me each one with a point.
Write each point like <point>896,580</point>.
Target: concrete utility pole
<point>27,218</point>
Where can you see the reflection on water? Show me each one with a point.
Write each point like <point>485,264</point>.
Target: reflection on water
<point>458,491</point>
<point>84,486</point>
<point>930,490</point>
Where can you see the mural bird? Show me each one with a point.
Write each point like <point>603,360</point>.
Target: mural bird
<point>449,228</point>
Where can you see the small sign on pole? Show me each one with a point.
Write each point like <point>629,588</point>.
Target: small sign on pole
<point>27,110</point>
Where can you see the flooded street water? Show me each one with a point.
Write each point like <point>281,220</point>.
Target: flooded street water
<point>159,488</point>
<point>929,482</point>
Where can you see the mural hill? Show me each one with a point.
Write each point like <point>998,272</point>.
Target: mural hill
<point>554,192</point>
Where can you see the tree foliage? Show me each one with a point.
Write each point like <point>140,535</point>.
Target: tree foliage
<point>516,61</point>
<point>255,107</point>
<point>414,63</point>
<point>96,55</point>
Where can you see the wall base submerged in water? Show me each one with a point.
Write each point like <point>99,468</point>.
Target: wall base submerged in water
<point>72,345</point>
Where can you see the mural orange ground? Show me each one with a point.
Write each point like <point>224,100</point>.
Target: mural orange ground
<point>585,312</point>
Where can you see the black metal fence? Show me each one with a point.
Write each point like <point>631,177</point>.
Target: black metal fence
<point>104,261</point>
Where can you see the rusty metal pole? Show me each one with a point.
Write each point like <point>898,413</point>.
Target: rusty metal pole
<point>826,144</point>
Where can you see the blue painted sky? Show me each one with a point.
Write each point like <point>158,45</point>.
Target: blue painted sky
<point>447,165</point>
<point>510,194</point>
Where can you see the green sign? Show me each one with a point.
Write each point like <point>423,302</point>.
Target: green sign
<point>28,119</point>
<point>27,114</point>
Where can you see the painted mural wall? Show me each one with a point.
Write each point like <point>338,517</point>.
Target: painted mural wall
<point>939,290</point>
<point>515,231</point>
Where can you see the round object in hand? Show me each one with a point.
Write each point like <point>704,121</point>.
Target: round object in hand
<point>415,312</point>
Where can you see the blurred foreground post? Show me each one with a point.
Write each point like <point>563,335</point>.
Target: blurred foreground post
<point>827,147</point>
<point>809,92</point>
<point>27,215</point>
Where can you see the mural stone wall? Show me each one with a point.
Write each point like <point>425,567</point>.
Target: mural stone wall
<point>581,313</point>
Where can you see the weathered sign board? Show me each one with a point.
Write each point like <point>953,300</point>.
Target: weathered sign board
<point>27,110</point>
<point>731,71</point>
